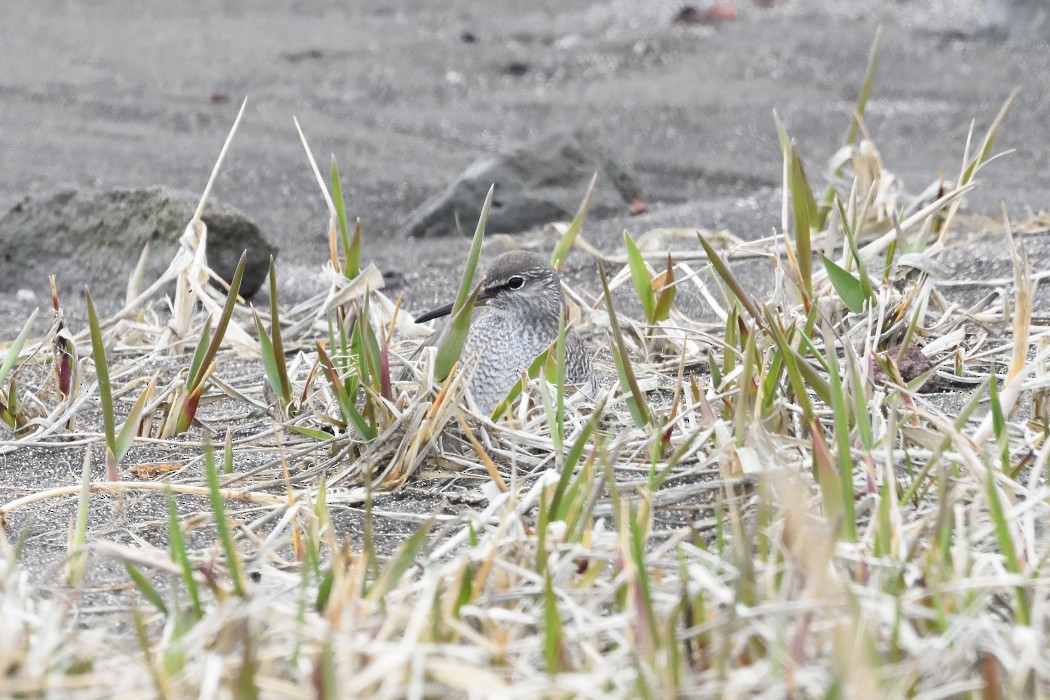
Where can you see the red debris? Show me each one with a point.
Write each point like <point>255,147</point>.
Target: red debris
<point>636,207</point>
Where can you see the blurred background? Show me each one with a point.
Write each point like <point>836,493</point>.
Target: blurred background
<point>678,97</point>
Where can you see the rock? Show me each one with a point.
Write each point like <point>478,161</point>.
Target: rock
<point>536,183</point>
<point>1019,19</point>
<point>912,365</point>
<point>96,238</point>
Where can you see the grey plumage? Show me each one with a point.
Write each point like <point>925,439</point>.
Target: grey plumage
<point>515,320</point>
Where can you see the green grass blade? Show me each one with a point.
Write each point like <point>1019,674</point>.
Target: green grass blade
<point>458,327</point>
<point>135,278</point>
<point>284,389</point>
<point>643,593</point>
<point>855,122</point>
<point>792,362</point>
<point>575,453</point>
<point>568,239</point>
<point>643,285</point>
<point>999,428</point>
<point>220,328</point>
<point>470,269</point>
<point>181,556</point>
<point>148,591</point>
<point>370,350</point>
<point>804,214</point>
<point>628,382</point>
<point>865,88</point>
<point>346,403</point>
<point>227,452</point>
<point>745,395</point>
<point>399,563</point>
<point>665,289</point>
<point>848,287</point>
<point>454,338</point>
<point>313,433</point>
<point>269,356</point>
<point>541,361</point>
<point>989,139</point>
<point>78,558</point>
<point>552,627</point>
<point>105,390</point>
<point>841,408</point>
<point>555,410</point>
<point>16,347</point>
<point>723,271</point>
<point>130,428</point>
<point>196,362</point>
<point>222,525</point>
<point>851,239</point>
<point>996,512</point>
<point>351,250</point>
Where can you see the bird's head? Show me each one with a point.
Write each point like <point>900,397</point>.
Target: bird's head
<point>519,282</point>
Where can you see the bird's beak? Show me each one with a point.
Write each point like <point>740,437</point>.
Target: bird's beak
<point>483,296</point>
<point>435,313</point>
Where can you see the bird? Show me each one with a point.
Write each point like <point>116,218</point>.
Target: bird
<point>516,318</point>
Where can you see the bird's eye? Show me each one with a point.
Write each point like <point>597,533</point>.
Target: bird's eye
<point>516,282</point>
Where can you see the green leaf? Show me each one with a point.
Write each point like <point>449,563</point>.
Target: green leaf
<point>561,251</point>
<point>346,404</point>
<point>227,453</point>
<point>218,509</point>
<point>16,347</point>
<point>199,352</point>
<point>454,338</point>
<point>851,240</point>
<point>351,250</point>
<point>640,276</point>
<point>854,126</point>
<point>194,381</point>
<point>399,563</point>
<point>179,554</point>
<point>552,628</point>
<point>314,433</point>
<point>129,430</point>
<point>989,139</point>
<point>628,383</point>
<point>665,289</point>
<point>78,560</point>
<point>105,390</point>
<point>268,355</point>
<point>841,408</point>
<point>284,385</point>
<point>470,269</point>
<point>146,588</point>
<point>723,271</point>
<point>849,287</point>
<point>458,327</point>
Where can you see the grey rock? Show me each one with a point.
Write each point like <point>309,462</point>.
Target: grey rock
<point>1019,19</point>
<point>535,183</point>
<point>96,238</point>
